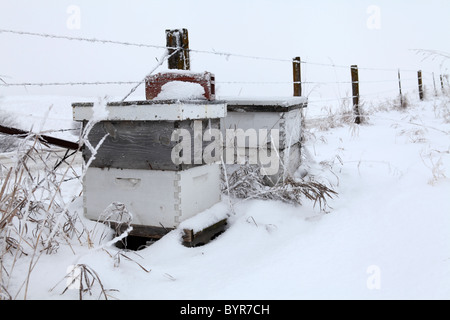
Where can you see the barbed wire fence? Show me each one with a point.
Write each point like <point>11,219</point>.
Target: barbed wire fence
<point>430,76</point>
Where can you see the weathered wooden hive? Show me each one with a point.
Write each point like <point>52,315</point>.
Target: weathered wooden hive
<point>135,166</point>
<point>279,120</point>
<point>138,163</point>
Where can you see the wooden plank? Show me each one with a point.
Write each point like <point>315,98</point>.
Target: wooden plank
<point>191,239</point>
<point>43,138</point>
<point>143,145</point>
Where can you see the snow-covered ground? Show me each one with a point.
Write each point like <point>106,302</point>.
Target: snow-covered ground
<point>386,236</point>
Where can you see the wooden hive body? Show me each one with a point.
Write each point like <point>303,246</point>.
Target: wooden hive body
<point>282,115</point>
<point>134,166</point>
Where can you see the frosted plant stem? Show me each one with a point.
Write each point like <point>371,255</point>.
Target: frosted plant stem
<point>230,205</point>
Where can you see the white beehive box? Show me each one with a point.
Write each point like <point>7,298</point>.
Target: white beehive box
<point>153,197</point>
<point>133,166</point>
<point>281,114</point>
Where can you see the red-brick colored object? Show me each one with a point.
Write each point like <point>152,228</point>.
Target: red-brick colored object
<point>153,84</point>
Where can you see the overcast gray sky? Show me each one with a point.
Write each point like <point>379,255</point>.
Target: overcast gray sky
<point>374,33</point>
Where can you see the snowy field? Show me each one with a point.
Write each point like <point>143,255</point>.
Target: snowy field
<point>386,235</point>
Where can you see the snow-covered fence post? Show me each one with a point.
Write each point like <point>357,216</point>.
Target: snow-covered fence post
<point>434,85</point>
<point>442,83</point>
<point>420,82</point>
<point>400,88</point>
<point>178,38</point>
<point>355,93</point>
<point>296,64</point>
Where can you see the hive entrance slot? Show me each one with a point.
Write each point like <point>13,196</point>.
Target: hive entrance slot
<point>135,243</point>
<point>140,237</point>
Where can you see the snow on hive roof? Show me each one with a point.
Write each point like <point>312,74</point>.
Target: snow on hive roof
<point>181,90</point>
<point>150,110</point>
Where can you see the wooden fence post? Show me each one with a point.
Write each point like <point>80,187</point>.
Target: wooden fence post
<point>178,38</point>
<point>434,86</point>
<point>296,64</point>
<point>400,89</point>
<point>355,93</point>
<point>442,83</point>
<point>420,82</point>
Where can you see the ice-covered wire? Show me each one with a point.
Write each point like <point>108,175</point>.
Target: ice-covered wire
<point>93,40</point>
<point>226,54</point>
<point>220,53</point>
<point>48,84</point>
<point>314,101</point>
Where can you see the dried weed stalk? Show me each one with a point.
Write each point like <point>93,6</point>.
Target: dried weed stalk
<point>247,183</point>
<point>83,278</point>
<point>35,215</point>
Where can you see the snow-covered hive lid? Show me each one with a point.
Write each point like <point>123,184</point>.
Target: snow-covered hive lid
<point>153,110</point>
<point>172,99</point>
<point>181,90</point>
<point>272,104</point>
<point>180,84</point>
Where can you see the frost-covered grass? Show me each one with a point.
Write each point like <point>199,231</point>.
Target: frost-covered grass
<point>385,236</point>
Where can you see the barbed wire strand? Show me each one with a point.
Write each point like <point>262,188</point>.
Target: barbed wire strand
<point>220,53</point>
<point>312,82</point>
<point>47,84</point>
<point>315,101</point>
<point>95,40</point>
